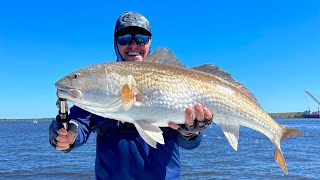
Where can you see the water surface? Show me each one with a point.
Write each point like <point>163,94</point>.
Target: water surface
<point>26,154</point>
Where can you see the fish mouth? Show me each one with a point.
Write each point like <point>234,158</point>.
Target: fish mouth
<point>67,92</point>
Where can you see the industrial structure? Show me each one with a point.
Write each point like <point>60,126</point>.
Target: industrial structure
<point>309,113</point>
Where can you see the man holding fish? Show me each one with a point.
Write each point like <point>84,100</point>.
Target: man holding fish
<point>131,150</point>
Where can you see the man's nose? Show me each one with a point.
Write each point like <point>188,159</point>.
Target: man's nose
<point>133,43</point>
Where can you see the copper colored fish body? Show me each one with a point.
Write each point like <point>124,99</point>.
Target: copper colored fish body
<point>152,93</point>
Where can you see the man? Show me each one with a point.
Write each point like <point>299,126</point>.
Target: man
<point>121,153</point>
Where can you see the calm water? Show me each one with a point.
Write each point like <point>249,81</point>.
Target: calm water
<point>26,154</point>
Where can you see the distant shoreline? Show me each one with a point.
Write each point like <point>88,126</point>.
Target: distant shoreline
<point>28,119</point>
<point>273,115</point>
<point>287,115</point>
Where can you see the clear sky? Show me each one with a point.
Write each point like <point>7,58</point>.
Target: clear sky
<point>272,47</point>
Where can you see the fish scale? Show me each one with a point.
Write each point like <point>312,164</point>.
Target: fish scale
<point>150,94</point>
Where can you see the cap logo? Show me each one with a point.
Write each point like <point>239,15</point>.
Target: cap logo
<point>131,18</point>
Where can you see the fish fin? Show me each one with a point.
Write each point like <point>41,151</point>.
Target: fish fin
<point>164,56</point>
<point>287,132</point>
<point>225,77</point>
<point>278,156</point>
<point>128,94</point>
<point>232,134</point>
<point>127,97</point>
<point>150,133</point>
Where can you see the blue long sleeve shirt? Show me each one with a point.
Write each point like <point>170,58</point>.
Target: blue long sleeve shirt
<point>121,153</point>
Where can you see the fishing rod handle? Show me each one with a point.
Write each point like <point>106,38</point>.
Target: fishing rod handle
<point>63,111</point>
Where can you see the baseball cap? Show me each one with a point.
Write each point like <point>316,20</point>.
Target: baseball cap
<point>132,19</point>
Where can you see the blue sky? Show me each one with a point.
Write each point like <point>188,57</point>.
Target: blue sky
<point>273,47</point>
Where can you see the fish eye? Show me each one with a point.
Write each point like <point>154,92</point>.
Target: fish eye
<point>76,75</point>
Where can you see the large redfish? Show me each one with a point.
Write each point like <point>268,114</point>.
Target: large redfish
<point>151,93</point>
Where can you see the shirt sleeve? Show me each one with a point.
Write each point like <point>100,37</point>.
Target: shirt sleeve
<point>82,118</point>
<point>191,144</point>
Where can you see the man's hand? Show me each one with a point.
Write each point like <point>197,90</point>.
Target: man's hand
<point>64,139</point>
<point>194,124</point>
<point>59,137</point>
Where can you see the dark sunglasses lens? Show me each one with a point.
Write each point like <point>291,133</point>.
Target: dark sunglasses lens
<point>125,39</point>
<point>141,39</point>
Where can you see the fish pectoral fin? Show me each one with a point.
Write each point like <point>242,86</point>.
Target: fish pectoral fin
<point>150,133</point>
<point>232,134</point>
<point>128,94</point>
<point>278,156</point>
<point>127,97</point>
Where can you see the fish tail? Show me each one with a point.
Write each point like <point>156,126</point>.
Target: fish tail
<point>280,160</point>
<point>287,132</point>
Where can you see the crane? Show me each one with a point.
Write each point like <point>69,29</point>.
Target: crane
<point>315,99</point>
<point>309,114</point>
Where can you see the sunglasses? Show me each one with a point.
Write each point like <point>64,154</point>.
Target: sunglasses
<point>138,38</point>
